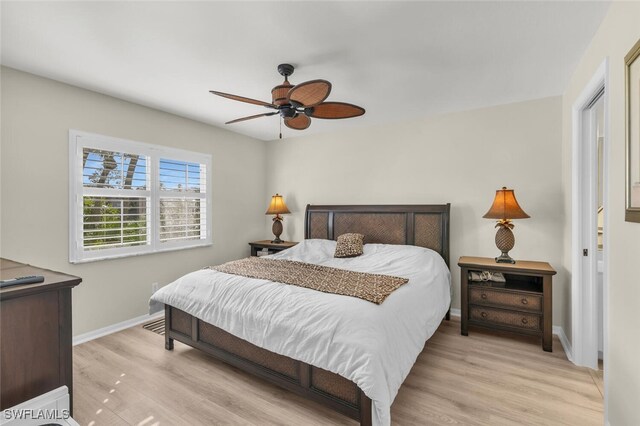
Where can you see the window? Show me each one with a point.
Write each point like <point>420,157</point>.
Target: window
<point>129,198</point>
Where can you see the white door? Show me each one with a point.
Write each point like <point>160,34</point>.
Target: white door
<point>590,220</point>
<point>597,111</point>
<point>588,287</point>
<point>592,195</point>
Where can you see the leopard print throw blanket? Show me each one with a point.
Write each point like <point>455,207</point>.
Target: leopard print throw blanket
<point>371,287</point>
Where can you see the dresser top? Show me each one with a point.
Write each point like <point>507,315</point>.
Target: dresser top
<point>52,279</point>
<point>520,266</point>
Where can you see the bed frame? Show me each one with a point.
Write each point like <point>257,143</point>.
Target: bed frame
<point>420,225</point>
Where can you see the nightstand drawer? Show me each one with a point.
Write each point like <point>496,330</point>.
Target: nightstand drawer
<point>506,318</point>
<point>508,299</point>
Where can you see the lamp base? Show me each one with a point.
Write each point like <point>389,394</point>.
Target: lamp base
<point>505,258</point>
<point>277,229</point>
<point>505,240</point>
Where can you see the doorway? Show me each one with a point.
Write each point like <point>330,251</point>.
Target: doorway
<point>596,117</point>
<point>589,250</point>
<point>597,112</point>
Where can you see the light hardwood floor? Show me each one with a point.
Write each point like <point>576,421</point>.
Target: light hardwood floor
<point>487,378</point>
<point>598,377</point>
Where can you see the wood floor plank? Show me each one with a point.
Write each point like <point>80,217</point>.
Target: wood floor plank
<point>92,412</point>
<point>486,378</point>
<point>598,377</point>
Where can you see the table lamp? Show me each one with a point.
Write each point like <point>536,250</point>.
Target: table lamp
<point>277,207</point>
<point>505,208</point>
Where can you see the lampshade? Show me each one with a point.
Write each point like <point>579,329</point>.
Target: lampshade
<point>505,206</point>
<point>277,205</point>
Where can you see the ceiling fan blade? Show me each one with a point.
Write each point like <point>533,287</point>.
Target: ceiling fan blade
<point>335,110</point>
<point>299,122</point>
<point>309,93</point>
<point>251,117</point>
<point>243,99</point>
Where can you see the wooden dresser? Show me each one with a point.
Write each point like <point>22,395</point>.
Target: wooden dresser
<point>522,304</point>
<point>35,334</point>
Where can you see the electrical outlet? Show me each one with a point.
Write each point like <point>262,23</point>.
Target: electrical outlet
<point>154,287</point>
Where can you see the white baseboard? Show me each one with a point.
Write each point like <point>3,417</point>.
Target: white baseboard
<point>114,328</point>
<point>455,312</point>
<point>559,331</point>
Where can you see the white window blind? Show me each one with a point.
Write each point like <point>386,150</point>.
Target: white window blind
<point>183,187</point>
<point>129,198</point>
<point>114,222</point>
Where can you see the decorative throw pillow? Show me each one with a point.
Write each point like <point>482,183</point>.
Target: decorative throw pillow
<point>349,245</point>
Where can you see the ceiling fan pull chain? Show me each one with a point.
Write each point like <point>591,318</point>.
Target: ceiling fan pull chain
<point>280,127</point>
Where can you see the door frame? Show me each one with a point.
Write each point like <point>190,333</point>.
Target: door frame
<point>584,301</point>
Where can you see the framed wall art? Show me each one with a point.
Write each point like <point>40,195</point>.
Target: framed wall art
<point>632,78</point>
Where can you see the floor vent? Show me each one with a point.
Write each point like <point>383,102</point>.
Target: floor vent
<point>156,326</point>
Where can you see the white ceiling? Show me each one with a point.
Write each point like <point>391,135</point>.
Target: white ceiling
<point>396,59</point>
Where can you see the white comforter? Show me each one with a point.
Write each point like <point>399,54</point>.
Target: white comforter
<point>375,346</point>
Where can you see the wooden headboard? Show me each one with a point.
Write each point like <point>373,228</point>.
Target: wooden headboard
<point>424,225</point>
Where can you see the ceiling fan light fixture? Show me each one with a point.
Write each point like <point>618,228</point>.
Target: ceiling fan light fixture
<point>279,93</point>
<point>297,104</point>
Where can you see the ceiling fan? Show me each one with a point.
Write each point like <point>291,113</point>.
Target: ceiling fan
<point>297,104</point>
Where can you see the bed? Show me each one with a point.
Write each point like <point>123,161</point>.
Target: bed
<point>306,370</point>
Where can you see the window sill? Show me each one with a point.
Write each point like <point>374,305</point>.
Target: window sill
<point>142,253</point>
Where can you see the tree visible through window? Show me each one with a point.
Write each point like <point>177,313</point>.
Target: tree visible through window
<point>114,221</point>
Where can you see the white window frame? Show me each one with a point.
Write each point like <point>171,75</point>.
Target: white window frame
<point>78,140</point>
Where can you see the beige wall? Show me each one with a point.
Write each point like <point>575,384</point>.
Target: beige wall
<point>37,114</point>
<point>460,158</point>
<point>619,31</point>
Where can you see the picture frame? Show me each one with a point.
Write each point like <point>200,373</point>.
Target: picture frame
<point>632,88</point>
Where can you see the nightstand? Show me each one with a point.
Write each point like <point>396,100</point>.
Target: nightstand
<point>522,304</point>
<point>256,246</point>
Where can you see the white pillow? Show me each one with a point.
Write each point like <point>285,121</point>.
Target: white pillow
<point>309,251</point>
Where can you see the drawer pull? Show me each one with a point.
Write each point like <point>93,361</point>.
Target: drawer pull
<point>525,301</point>
<point>525,321</point>
<point>483,295</point>
<point>483,314</point>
